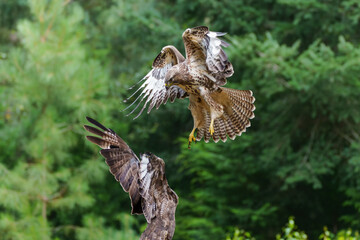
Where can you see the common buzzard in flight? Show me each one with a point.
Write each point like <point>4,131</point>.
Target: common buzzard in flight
<point>218,112</point>
<point>144,180</point>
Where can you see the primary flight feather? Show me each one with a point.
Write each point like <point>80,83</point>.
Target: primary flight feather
<point>218,112</point>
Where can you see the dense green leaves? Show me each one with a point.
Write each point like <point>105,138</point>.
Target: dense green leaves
<point>63,60</point>
<point>50,85</point>
<point>291,232</point>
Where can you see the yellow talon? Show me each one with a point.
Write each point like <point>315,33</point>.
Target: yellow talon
<point>211,129</point>
<point>191,137</point>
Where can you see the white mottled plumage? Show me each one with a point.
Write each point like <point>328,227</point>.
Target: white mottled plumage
<point>214,53</point>
<point>143,166</point>
<point>145,174</point>
<point>153,89</point>
<point>214,45</point>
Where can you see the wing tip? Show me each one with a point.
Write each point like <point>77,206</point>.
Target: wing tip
<point>219,34</point>
<point>89,119</point>
<point>96,123</point>
<point>95,140</point>
<point>87,128</point>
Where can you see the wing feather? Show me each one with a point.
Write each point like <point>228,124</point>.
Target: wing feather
<point>122,161</point>
<point>204,47</point>
<point>153,89</point>
<point>216,58</point>
<point>144,180</point>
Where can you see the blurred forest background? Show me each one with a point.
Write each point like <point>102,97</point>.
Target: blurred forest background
<point>62,60</point>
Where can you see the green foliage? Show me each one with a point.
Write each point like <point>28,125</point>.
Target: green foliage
<point>341,235</point>
<point>310,137</point>
<point>46,94</point>
<point>290,232</point>
<point>240,235</point>
<point>63,60</point>
<point>94,229</point>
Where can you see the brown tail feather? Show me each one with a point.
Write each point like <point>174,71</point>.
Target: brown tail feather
<point>222,128</point>
<point>207,135</point>
<point>200,134</point>
<point>243,95</point>
<point>238,110</point>
<point>243,120</point>
<point>244,108</point>
<point>216,135</point>
<point>230,128</point>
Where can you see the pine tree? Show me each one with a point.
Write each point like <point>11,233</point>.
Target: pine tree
<point>49,84</point>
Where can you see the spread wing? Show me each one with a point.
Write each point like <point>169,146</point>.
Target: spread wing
<point>123,163</point>
<point>204,47</point>
<point>153,89</point>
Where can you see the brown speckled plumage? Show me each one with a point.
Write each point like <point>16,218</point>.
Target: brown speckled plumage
<point>200,76</point>
<point>144,180</point>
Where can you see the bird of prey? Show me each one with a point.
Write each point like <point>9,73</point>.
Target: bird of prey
<point>144,180</point>
<point>217,111</point>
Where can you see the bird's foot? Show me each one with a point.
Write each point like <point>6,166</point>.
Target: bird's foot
<point>211,129</point>
<point>191,138</point>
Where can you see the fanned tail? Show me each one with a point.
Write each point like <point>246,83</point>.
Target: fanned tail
<point>238,110</point>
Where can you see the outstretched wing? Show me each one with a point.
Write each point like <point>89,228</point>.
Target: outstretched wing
<point>123,163</point>
<point>204,47</point>
<point>153,89</point>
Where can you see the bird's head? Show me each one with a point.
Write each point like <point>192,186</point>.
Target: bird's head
<point>196,32</point>
<point>170,79</point>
